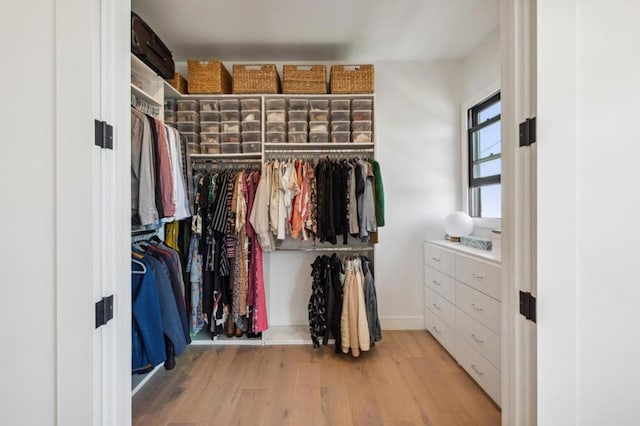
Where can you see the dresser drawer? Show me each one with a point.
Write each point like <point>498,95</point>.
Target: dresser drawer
<point>479,337</point>
<point>487,376</point>
<point>479,306</point>
<point>442,284</point>
<point>479,275</point>
<point>440,259</point>
<point>442,332</point>
<point>441,307</point>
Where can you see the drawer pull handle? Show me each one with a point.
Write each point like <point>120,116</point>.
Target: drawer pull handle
<point>435,305</point>
<point>436,329</point>
<point>476,276</point>
<point>474,337</point>
<point>474,368</point>
<point>476,307</point>
<point>436,282</point>
<point>436,259</point>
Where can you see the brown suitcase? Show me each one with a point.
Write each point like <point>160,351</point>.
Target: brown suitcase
<point>147,46</point>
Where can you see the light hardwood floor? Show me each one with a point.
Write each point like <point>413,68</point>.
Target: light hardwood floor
<point>407,379</point>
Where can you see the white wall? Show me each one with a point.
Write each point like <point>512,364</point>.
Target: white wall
<point>481,67</point>
<point>417,105</point>
<point>588,197</point>
<point>27,188</point>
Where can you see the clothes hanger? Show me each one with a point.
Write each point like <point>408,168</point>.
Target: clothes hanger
<point>142,265</point>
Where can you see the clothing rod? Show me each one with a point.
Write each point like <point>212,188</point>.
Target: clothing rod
<point>335,249</point>
<point>318,151</point>
<point>226,160</point>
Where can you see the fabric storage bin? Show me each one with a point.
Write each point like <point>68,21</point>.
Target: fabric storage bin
<point>209,115</point>
<point>251,126</point>
<point>229,105</point>
<point>276,126</point>
<point>298,104</point>
<point>229,115</point>
<point>209,105</point>
<point>255,79</point>
<point>340,115</point>
<point>230,137</point>
<point>170,104</point>
<point>298,137</point>
<point>191,137</point>
<point>193,148</point>
<point>364,115</point>
<point>297,126</point>
<point>319,137</point>
<point>251,136</point>
<point>276,116</point>
<point>340,104</point>
<point>319,115</point>
<point>361,104</point>
<point>188,116</point>
<point>340,126</point>
<point>170,115</point>
<point>208,77</point>
<point>179,83</point>
<point>210,148</point>
<point>319,104</point>
<point>318,126</point>
<point>351,79</point>
<point>250,104</point>
<point>275,137</point>
<point>361,126</point>
<point>340,137</point>
<point>230,126</point>
<point>251,147</point>
<point>188,105</point>
<point>210,126</point>
<point>276,104</point>
<point>298,115</point>
<point>188,126</point>
<point>251,115</point>
<point>230,148</point>
<point>209,137</point>
<point>304,79</point>
<point>361,137</point>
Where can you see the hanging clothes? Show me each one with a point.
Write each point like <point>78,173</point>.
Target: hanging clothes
<point>343,304</point>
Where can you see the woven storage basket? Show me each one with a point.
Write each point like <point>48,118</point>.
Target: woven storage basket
<point>352,79</point>
<point>255,79</point>
<point>207,77</point>
<point>179,83</point>
<point>304,79</point>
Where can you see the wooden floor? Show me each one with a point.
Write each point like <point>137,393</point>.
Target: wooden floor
<point>407,379</point>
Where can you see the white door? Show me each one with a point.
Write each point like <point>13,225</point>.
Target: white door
<point>518,32</point>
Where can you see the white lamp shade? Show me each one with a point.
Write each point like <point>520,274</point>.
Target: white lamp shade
<point>458,224</point>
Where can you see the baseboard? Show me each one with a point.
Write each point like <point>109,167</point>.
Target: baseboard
<point>402,323</point>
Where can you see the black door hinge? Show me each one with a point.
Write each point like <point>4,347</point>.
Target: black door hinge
<point>104,311</point>
<point>103,134</point>
<point>528,306</point>
<point>528,132</point>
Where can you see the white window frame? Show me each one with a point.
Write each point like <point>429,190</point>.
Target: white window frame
<point>490,90</point>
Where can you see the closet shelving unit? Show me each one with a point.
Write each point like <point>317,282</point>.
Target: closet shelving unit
<point>294,334</point>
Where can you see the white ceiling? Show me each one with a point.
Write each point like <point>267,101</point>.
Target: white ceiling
<point>320,30</point>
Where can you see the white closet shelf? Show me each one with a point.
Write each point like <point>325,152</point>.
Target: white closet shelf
<point>320,147</point>
<point>287,335</point>
<point>240,156</point>
<point>170,92</point>
<point>141,94</point>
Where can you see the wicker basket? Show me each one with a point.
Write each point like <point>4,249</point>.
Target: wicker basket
<point>208,77</point>
<point>179,83</point>
<point>255,79</point>
<point>304,79</point>
<point>352,79</point>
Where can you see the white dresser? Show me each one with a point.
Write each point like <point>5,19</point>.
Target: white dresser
<point>462,294</point>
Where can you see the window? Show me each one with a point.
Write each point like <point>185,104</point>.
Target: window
<point>485,191</point>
